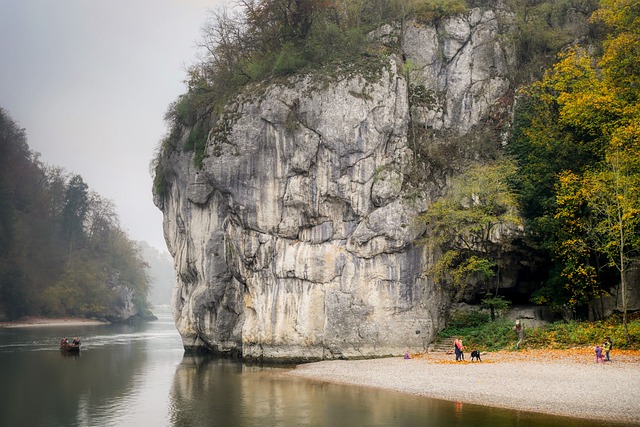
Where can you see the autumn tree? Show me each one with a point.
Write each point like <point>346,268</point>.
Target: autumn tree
<point>613,196</point>
<point>588,106</point>
<point>606,103</point>
<point>578,279</point>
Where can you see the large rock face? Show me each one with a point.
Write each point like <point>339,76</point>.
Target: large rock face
<point>295,241</point>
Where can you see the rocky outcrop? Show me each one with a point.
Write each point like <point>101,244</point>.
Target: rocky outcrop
<point>296,239</point>
<point>124,308</point>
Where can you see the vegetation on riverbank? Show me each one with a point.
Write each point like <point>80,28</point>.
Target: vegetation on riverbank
<point>479,332</point>
<point>62,250</point>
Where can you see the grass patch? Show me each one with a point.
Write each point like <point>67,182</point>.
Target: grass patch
<point>486,336</point>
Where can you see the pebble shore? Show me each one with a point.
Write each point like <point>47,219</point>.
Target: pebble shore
<point>568,382</point>
<point>41,322</point>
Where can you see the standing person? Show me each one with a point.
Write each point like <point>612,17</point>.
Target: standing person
<point>599,356</point>
<point>459,349</point>
<point>607,348</point>
<point>519,329</point>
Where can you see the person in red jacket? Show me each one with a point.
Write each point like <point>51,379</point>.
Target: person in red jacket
<point>459,349</point>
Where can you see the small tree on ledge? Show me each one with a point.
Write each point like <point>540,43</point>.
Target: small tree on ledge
<point>495,304</point>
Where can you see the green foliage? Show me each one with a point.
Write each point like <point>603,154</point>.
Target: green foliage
<point>288,60</point>
<point>57,251</point>
<point>543,30</point>
<point>563,335</point>
<point>184,111</point>
<point>486,336</point>
<point>435,10</point>
<point>330,42</point>
<point>463,224</point>
<point>75,208</point>
<point>499,335</point>
<point>496,304</point>
<point>576,143</point>
<point>465,319</point>
<point>265,39</point>
<point>420,96</point>
<point>462,270</point>
<point>159,180</point>
<point>197,142</point>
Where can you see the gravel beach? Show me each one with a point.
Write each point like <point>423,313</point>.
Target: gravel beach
<point>560,382</point>
<point>40,322</point>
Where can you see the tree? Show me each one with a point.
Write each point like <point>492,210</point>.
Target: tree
<point>613,197</point>
<point>24,221</point>
<point>589,106</point>
<point>578,277</point>
<point>495,304</point>
<point>101,219</point>
<point>472,224</point>
<point>42,210</point>
<point>75,209</point>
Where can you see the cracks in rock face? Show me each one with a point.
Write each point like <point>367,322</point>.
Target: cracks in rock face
<point>295,114</point>
<point>349,165</point>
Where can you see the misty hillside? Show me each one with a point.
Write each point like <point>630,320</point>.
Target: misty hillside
<point>161,274</point>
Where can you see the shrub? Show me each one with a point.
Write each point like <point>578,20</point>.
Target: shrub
<point>435,10</point>
<point>478,331</point>
<point>499,335</point>
<point>563,335</point>
<point>288,61</point>
<point>467,318</point>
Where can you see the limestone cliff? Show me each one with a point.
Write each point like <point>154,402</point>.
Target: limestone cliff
<point>296,239</point>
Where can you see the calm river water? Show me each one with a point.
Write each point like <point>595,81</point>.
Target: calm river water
<point>139,376</point>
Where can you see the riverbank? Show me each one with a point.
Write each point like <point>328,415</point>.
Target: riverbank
<point>36,322</point>
<point>558,382</point>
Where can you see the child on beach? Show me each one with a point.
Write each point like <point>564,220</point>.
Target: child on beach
<point>599,356</point>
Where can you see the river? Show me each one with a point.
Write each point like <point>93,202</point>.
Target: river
<point>138,375</point>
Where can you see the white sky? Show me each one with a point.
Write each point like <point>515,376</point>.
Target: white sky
<point>90,81</point>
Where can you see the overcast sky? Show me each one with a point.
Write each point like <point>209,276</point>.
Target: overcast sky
<point>90,82</point>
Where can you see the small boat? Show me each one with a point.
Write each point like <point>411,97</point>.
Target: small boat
<point>70,348</point>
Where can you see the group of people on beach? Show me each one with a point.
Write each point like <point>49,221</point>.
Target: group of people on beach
<point>606,347</point>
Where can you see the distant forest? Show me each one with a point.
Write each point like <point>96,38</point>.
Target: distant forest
<point>62,251</point>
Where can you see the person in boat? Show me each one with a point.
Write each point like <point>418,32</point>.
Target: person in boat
<point>64,342</point>
<point>75,341</point>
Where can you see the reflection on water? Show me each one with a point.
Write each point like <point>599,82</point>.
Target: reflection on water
<point>119,377</point>
<point>138,376</point>
<point>208,391</point>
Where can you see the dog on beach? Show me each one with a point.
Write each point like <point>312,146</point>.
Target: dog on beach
<point>475,354</point>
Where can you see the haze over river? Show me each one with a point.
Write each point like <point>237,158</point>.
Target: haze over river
<point>139,376</point>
